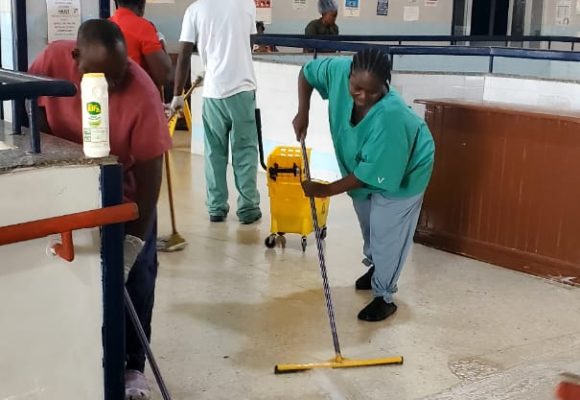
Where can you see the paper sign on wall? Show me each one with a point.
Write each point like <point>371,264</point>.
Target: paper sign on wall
<point>300,5</point>
<point>351,8</point>
<point>411,14</point>
<point>431,3</point>
<point>264,11</point>
<point>563,12</point>
<point>64,19</point>
<point>383,7</point>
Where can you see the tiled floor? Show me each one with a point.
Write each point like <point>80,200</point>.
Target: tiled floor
<point>228,310</point>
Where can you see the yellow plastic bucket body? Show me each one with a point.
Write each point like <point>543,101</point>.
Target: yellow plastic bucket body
<point>289,207</point>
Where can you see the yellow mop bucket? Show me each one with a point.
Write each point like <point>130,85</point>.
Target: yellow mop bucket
<point>289,207</point>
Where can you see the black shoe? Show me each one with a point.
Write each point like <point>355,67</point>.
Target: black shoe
<point>364,282</point>
<point>377,310</point>
<point>217,218</point>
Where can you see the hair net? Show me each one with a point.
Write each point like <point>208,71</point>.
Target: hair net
<point>325,6</point>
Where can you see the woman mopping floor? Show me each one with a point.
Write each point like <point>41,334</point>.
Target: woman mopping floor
<point>385,153</point>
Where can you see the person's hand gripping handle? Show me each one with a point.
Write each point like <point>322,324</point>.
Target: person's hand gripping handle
<point>300,124</point>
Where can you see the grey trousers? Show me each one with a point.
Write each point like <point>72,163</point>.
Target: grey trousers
<point>388,226</point>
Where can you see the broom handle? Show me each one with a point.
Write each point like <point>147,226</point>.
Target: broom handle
<point>195,84</point>
<point>170,193</point>
<point>169,186</point>
<point>321,260</point>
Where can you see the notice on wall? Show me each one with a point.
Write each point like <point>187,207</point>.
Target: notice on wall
<point>299,5</point>
<point>431,3</point>
<point>411,13</point>
<point>64,19</point>
<point>383,7</point>
<point>264,11</point>
<point>563,12</point>
<point>352,8</point>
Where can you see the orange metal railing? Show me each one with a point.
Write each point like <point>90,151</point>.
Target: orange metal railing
<point>65,225</point>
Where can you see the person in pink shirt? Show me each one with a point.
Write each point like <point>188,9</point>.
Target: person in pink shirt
<point>138,137</point>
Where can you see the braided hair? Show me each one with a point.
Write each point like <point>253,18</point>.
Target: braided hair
<point>373,61</point>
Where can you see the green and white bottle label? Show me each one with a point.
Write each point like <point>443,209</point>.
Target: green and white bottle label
<point>94,110</point>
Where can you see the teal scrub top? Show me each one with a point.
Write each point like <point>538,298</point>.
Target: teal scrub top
<point>391,150</point>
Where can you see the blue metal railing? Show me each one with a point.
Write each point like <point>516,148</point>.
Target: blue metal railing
<point>451,39</point>
<point>19,87</point>
<point>326,44</point>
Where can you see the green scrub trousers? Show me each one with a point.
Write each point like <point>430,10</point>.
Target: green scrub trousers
<point>231,120</point>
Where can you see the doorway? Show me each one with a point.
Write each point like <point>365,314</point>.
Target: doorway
<point>489,17</point>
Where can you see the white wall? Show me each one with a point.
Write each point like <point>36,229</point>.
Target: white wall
<point>277,98</point>
<point>285,19</point>
<point>564,96</point>
<point>549,23</point>
<point>51,311</point>
<point>36,20</point>
<point>432,20</point>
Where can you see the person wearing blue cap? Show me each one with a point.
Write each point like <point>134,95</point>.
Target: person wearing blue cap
<point>326,24</point>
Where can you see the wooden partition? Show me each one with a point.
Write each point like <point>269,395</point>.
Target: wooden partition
<point>506,186</point>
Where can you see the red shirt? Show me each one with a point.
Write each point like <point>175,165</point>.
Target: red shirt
<point>140,34</point>
<point>138,126</point>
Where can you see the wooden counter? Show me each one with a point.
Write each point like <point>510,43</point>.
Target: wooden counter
<point>505,187</point>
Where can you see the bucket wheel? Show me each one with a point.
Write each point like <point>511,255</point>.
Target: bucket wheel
<point>270,241</point>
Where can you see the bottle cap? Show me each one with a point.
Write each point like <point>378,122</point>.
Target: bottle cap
<point>94,75</point>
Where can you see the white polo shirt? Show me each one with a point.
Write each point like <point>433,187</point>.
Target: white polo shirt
<point>221,29</point>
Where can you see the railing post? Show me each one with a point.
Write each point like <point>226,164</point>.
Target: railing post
<point>17,117</point>
<point>491,63</point>
<point>34,128</point>
<point>20,56</point>
<point>112,237</point>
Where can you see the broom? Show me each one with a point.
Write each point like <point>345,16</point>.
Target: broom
<point>174,241</point>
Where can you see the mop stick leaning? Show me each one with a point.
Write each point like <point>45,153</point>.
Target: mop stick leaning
<point>338,361</point>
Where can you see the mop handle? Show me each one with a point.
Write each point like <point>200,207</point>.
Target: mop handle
<point>321,260</point>
<point>143,338</point>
